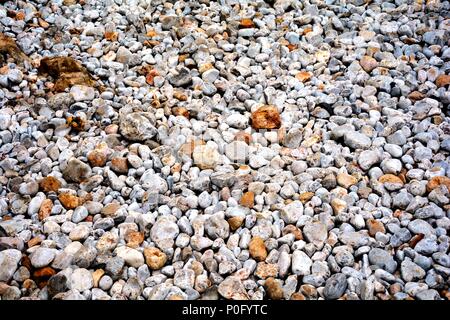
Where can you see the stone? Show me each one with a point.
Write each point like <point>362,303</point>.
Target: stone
<point>131,256</point>
<point>45,209</point>
<point>345,180</point>
<point>81,280</point>
<point>164,229</point>
<point>9,262</point>
<point>82,93</point>
<point>232,288</point>
<point>335,286</point>
<point>316,232</point>
<point>137,126</point>
<point>42,257</point>
<point>205,157</point>
<point>184,278</point>
<point>257,249</point>
<point>375,226</point>
<point>76,170</point>
<point>217,227</point>
<point>266,117</point>
<point>442,80</point>
<point>301,263</point>
<point>292,212</point>
<point>155,258</point>
<point>382,259</point>
<point>237,151</point>
<point>248,199</point>
<point>411,271</point>
<point>437,181</point>
<point>368,63</point>
<point>273,289</point>
<point>356,140</point>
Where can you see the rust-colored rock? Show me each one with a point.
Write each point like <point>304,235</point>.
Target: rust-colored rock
<point>34,242</point>
<point>181,111</point>
<point>248,199</point>
<point>97,158</point>
<point>390,178</point>
<point>257,249</point>
<point>297,296</point>
<point>246,23</point>
<point>69,201</point>
<point>266,117</point>
<point>42,275</point>
<point>235,222</point>
<point>273,289</point>
<point>49,183</point>
<point>438,181</point>
<point>110,209</point>
<point>345,180</point>
<point>304,76</point>
<point>414,240</point>
<point>119,165</point>
<point>155,258</point>
<point>76,123</point>
<point>8,47</point>
<point>375,226</point>
<point>134,239</point>
<point>111,35</point>
<point>45,209</point>
<point>443,80</point>
<point>66,72</point>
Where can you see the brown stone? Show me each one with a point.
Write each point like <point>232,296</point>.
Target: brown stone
<point>235,222</point>
<point>266,117</point>
<point>69,201</point>
<point>134,239</point>
<point>26,262</point>
<point>297,296</point>
<point>294,230</point>
<point>246,23</point>
<point>414,240</point>
<point>243,136</point>
<point>119,165</point>
<point>306,196</point>
<point>96,158</point>
<point>368,63</point>
<point>97,275</point>
<point>375,226</point>
<point>345,180</point>
<point>111,35</point>
<point>45,209</point>
<point>181,111</point>
<point>442,80</point>
<point>34,242</point>
<point>155,258</point>
<point>180,96</point>
<point>338,205</point>
<point>248,199</point>
<point>266,270</point>
<point>42,275</point>
<point>438,181</point>
<point>66,72</point>
<point>416,96</point>
<point>9,47</point>
<point>390,178</point>
<point>303,76</point>
<point>49,183</point>
<point>273,289</point>
<point>257,249</point>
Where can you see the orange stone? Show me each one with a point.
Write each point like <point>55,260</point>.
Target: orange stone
<point>134,239</point>
<point>96,158</point>
<point>34,241</point>
<point>306,196</point>
<point>266,270</point>
<point>45,209</point>
<point>292,47</point>
<point>304,76</point>
<point>368,63</point>
<point>155,258</point>
<point>180,96</point>
<point>96,276</point>
<point>390,178</point>
<point>438,181</point>
<point>297,296</point>
<point>307,30</point>
<point>235,222</point>
<point>110,209</point>
<point>246,23</point>
<point>111,35</point>
<point>69,201</point>
<point>442,80</point>
<point>375,226</point>
<point>119,165</point>
<point>181,111</point>
<point>42,275</point>
<point>49,183</point>
<point>266,117</point>
<point>257,249</point>
<point>248,199</point>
